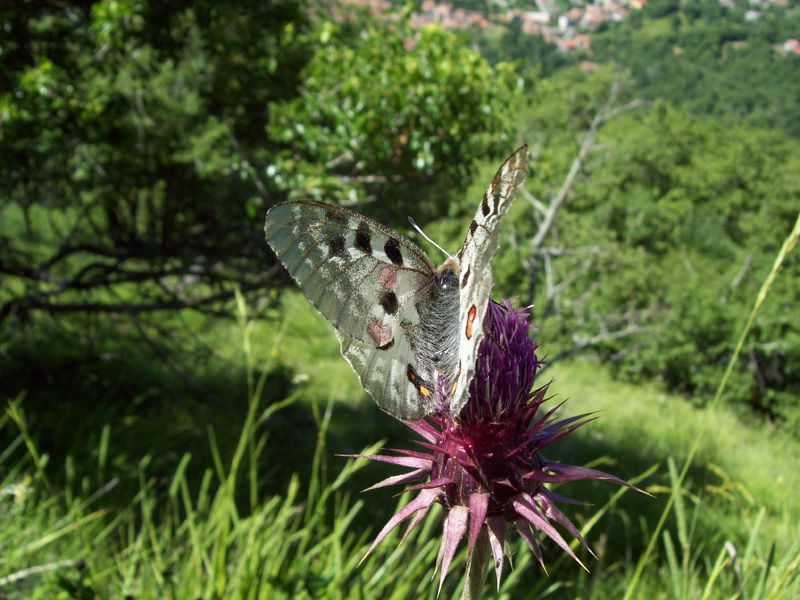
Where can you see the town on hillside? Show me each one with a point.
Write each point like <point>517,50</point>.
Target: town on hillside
<point>568,29</point>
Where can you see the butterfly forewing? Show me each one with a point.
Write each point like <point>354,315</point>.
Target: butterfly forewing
<point>475,269</point>
<point>366,280</point>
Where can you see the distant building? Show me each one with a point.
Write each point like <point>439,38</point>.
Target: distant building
<point>791,46</point>
<point>588,66</point>
<point>582,42</point>
<point>575,14</point>
<point>593,17</point>
<point>531,28</point>
<point>542,17</point>
<point>566,29</point>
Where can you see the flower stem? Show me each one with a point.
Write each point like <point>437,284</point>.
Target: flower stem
<point>476,569</point>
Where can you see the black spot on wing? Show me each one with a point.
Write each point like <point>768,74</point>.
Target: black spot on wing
<point>392,250</point>
<point>485,206</point>
<point>336,245</point>
<point>363,238</point>
<point>496,187</point>
<point>472,227</point>
<point>423,389</point>
<point>389,302</point>
<point>411,373</point>
<point>465,278</point>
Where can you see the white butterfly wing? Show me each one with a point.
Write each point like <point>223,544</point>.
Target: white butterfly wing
<point>475,268</point>
<point>383,375</point>
<point>366,280</point>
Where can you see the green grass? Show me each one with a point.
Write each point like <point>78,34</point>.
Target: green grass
<point>223,538</point>
<point>229,531</point>
<point>251,503</point>
<point>739,471</point>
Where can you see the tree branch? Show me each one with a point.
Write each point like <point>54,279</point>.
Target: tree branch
<point>581,344</point>
<point>577,165</point>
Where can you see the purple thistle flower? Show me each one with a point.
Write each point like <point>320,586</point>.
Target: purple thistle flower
<point>485,466</point>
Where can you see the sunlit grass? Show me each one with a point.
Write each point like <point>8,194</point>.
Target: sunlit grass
<point>230,531</point>
<point>175,539</point>
<point>744,467</point>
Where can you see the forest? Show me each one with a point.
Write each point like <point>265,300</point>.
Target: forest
<point>179,422</point>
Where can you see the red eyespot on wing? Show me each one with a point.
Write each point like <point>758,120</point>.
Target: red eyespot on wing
<point>388,278</point>
<point>381,334</point>
<point>470,318</point>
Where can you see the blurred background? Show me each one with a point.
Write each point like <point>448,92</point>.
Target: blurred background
<point>144,322</point>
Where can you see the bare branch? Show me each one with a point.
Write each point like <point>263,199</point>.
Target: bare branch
<point>535,202</point>
<point>261,187</point>
<point>548,277</point>
<point>370,178</point>
<point>168,299</point>
<point>581,344</point>
<point>615,112</point>
<point>577,165</point>
<point>546,226</point>
<point>344,157</point>
<point>39,303</point>
<point>556,251</point>
<point>574,274</point>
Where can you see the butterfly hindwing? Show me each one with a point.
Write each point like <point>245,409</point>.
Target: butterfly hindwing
<point>384,375</point>
<point>366,280</point>
<point>475,269</point>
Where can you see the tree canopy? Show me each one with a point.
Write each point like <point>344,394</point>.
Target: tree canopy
<point>143,142</point>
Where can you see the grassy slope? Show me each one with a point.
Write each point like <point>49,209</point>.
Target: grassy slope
<point>740,467</point>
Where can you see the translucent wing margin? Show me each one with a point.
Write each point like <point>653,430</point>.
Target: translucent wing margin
<point>475,269</point>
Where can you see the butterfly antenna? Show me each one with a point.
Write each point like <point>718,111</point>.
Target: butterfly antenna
<point>422,233</point>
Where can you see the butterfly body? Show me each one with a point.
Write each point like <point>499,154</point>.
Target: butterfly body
<point>436,337</point>
<point>402,323</point>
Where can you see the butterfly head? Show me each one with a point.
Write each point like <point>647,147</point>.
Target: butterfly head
<point>447,274</point>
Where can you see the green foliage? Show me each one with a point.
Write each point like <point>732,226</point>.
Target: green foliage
<point>142,142</point>
<point>128,147</point>
<point>123,102</point>
<point>696,206</point>
<point>704,58</point>
<point>390,112</point>
<point>671,230</point>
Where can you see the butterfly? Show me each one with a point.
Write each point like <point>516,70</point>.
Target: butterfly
<point>402,323</point>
